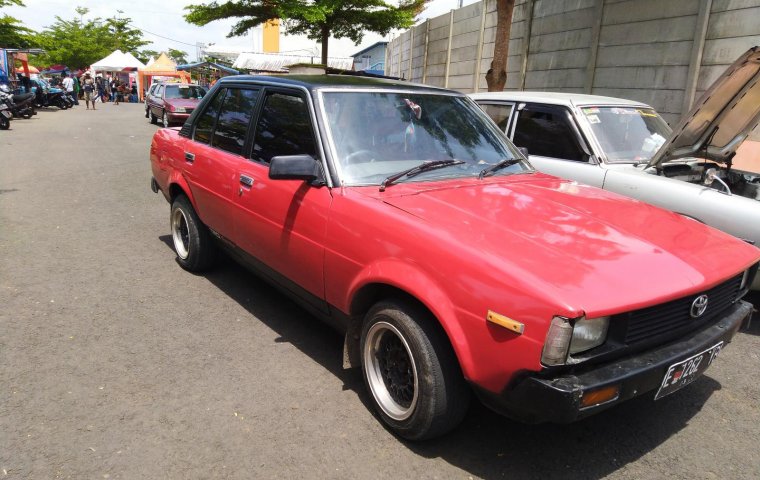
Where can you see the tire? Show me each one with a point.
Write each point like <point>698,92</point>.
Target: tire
<point>147,115</point>
<point>165,120</point>
<point>5,124</point>
<point>192,241</point>
<point>153,118</point>
<point>411,371</point>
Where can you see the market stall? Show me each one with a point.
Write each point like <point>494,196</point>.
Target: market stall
<point>161,69</point>
<point>119,64</point>
<point>207,72</point>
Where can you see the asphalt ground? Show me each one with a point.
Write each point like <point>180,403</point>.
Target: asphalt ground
<point>116,363</point>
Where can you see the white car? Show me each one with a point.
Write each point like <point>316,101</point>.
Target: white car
<point>626,147</point>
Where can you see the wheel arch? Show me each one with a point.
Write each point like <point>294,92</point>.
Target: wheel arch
<point>425,293</point>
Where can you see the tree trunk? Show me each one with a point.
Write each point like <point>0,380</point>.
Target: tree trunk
<point>325,38</point>
<point>496,77</point>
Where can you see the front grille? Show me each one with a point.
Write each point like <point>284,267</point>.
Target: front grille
<point>660,320</point>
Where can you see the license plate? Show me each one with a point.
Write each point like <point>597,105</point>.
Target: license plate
<point>686,371</point>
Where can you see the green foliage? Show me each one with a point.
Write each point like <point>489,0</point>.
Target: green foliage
<point>13,33</point>
<point>145,55</point>
<point>78,43</point>
<point>178,56</point>
<point>318,19</point>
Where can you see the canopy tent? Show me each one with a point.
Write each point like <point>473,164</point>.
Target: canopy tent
<point>210,65</point>
<point>117,62</point>
<point>206,72</point>
<point>163,66</point>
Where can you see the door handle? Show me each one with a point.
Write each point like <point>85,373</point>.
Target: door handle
<point>189,157</point>
<point>246,181</point>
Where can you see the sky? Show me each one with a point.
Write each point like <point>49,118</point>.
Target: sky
<point>163,24</point>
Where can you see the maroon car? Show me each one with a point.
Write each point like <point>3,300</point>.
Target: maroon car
<point>172,102</point>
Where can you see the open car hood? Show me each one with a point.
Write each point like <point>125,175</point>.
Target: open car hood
<point>720,121</point>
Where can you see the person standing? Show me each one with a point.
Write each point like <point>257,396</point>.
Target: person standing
<point>68,85</point>
<point>89,90</point>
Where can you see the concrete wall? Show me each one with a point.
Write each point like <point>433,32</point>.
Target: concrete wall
<point>664,53</point>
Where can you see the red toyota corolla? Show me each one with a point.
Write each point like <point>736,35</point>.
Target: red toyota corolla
<point>400,215</point>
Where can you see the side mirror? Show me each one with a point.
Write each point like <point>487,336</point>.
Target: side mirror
<point>294,167</point>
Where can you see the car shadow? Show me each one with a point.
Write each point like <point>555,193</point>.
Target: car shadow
<point>486,444</point>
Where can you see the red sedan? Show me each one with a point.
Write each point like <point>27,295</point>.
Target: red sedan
<point>400,215</point>
<point>172,102</point>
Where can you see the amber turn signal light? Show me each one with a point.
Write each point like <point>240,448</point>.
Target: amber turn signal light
<point>599,396</point>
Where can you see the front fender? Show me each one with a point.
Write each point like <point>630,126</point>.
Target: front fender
<point>412,280</point>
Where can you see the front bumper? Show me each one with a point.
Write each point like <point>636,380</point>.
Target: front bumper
<point>177,117</point>
<point>535,399</point>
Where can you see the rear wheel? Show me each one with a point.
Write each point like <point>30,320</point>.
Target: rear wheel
<point>411,371</point>
<point>165,120</point>
<point>153,118</point>
<point>195,248</point>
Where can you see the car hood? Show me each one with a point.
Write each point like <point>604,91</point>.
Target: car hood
<point>584,247</point>
<point>720,121</point>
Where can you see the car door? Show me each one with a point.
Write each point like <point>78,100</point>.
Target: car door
<point>212,155</point>
<point>554,143</point>
<point>282,223</point>
<point>155,99</point>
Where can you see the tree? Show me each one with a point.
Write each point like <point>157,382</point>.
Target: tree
<point>318,19</point>
<point>496,77</point>
<point>178,56</point>
<point>145,55</point>
<point>78,43</point>
<point>12,32</point>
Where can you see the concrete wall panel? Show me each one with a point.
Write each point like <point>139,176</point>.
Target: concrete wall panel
<point>642,55</point>
<point>640,10</point>
<point>666,30</point>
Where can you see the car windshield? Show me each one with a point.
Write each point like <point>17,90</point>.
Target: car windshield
<point>379,134</point>
<point>184,91</point>
<point>627,134</point>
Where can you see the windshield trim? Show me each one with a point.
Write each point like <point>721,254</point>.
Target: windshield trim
<point>478,111</point>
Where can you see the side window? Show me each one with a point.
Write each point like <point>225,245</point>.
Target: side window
<point>234,117</point>
<point>546,132</point>
<point>205,123</point>
<point>499,113</point>
<point>159,90</point>
<point>284,128</point>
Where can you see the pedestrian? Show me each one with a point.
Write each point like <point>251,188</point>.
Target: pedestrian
<point>77,89</point>
<point>118,91</point>
<point>89,90</point>
<point>68,85</point>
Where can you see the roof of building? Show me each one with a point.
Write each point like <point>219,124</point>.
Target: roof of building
<point>383,43</point>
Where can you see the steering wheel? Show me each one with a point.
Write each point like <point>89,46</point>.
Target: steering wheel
<point>359,156</point>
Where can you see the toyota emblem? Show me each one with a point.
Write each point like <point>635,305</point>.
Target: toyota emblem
<point>698,306</point>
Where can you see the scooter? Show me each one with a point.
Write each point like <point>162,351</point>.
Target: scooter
<point>5,117</point>
<point>21,105</point>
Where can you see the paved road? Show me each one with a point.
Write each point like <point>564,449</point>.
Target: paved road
<point>116,363</point>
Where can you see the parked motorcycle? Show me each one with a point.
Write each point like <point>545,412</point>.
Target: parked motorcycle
<point>5,117</point>
<point>20,105</point>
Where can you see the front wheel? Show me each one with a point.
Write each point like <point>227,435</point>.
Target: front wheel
<point>195,248</point>
<point>411,371</point>
<point>5,124</point>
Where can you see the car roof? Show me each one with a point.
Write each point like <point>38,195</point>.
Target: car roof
<point>556,98</point>
<point>316,82</point>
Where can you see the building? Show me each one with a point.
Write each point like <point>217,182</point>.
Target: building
<point>371,59</point>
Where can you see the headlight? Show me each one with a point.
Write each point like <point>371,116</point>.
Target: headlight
<point>565,338</point>
<point>179,109</point>
<point>589,333</point>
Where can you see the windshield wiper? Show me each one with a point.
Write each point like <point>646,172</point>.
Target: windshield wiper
<point>422,167</point>
<point>497,166</point>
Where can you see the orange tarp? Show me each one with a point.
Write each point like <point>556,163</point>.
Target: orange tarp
<point>163,66</point>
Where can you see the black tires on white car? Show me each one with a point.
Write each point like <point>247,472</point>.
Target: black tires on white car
<point>411,371</point>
